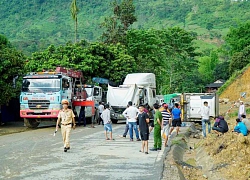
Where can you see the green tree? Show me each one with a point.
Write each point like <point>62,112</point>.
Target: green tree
<point>238,38</point>
<point>11,70</point>
<point>74,11</point>
<point>239,60</point>
<point>221,71</point>
<point>169,53</point>
<point>116,26</point>
<point>207,65</point>
<point>178,60</point>
<point>95,59</point>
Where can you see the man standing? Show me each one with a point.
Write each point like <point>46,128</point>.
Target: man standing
<point>126,127</point>
<point>242,110</point>
<point>107,122</point>
<point>157,129</point>
<point>66,117</point>
<point>131,113</point>
<point>204,111</point>
<point>143,128</point>
<point>82,116</point>
<point>176,114</point>
<point>101,109</point>
<point>166,121</point>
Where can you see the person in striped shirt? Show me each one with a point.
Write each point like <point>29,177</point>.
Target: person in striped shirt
<point>166,121</point>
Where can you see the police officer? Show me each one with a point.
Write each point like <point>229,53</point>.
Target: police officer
<point>67,119</point>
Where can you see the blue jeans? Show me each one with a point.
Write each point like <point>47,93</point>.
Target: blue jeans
<point>204,121</point>
<point>133,125</point>
<point>126,130</point>
<point>82,116</point>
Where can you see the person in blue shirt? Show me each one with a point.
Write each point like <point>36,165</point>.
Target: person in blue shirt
<point>176,115</point>
<point>240,127</point>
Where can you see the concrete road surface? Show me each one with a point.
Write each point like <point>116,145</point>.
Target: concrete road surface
<point>37,154</point>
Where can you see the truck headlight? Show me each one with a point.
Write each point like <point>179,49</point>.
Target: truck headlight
<point>56,107</point>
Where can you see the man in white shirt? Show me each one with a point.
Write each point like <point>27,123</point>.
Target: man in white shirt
<point>205,118</point>
<point>107,122</point>
<point>100,109</point>
<point>242,110</point>
<point>131,114</point>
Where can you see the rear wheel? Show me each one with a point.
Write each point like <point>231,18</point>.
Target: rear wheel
<point>31,123</point>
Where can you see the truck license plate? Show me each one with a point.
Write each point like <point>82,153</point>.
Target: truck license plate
<point>37,111</point>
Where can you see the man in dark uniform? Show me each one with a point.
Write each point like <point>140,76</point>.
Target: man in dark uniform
<point>143,128</point>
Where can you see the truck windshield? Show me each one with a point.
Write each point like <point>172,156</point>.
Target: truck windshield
<point>89,91</point>
<point>41,85</point>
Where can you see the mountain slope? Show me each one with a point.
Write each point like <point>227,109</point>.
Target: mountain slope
<point>237,85</point>
<point>34,24</point>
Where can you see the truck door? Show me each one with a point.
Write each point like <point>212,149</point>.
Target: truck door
<point>211,99</point>
<point>66,89</point>
<point>97,95</point>
<point>196,102</point>
<point>195,105</point>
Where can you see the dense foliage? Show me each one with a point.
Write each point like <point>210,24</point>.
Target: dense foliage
<point>34,25</point>
<point>94,59</point>
<point>11,70</point>
<point>136,37</point>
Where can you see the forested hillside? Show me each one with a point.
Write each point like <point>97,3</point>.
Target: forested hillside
<point>32,25</point>
<point>186,44</point>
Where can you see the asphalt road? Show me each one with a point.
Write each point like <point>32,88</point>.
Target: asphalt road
<point>37,154</point>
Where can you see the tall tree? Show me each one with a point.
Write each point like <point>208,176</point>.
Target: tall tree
<point>11,70</point>
<point>95,59</point>
<point>74,11</point>
<point>117,25</point>
<point>239,38</point>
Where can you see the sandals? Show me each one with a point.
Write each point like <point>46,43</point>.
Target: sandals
<point>110,139</point>
<point>143,152</point>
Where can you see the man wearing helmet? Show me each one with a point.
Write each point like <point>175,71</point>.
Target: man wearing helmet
<point>67,119</point>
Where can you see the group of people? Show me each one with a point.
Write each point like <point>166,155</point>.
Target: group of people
<point>163,119</point>
<point>221,126</point>
<point>66,119</point>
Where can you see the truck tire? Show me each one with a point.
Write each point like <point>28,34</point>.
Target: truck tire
<point>31,123</point>
<point>114,121</point>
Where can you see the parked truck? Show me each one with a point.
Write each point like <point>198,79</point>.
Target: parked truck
<point>191,104</point>
<point>42,93</point>
<point>95,94</point>
<point>140,88</point>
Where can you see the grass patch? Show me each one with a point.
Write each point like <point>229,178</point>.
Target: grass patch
<point>175,141</point>
<point>191,161</point>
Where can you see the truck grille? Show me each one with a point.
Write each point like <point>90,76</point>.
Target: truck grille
<point>118,109</point>
<point>38,104</point>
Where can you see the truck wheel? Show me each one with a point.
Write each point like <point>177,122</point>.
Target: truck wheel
<point>114,121</point>
<point>31,123</point>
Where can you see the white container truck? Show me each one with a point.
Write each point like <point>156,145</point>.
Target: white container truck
<point>140,88</point>
<point>191,104</point>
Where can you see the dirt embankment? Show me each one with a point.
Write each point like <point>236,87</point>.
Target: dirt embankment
<point>238,86</point>
<point>226,157</point>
